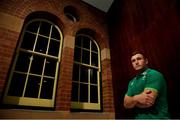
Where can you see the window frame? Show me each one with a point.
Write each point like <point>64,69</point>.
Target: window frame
<point>27,101</point>
<point>88,105</point>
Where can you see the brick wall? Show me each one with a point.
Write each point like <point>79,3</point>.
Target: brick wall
<point>14,14</point>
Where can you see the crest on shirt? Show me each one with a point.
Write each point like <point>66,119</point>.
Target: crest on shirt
<point>132,83</point>
<point>144,75</point>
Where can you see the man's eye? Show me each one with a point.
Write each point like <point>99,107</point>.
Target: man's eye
<point>139,58</point>
<point>132,60</point>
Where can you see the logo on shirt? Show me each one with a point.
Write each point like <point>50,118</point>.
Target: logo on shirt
<point>132,83</point>
<point>144,75</point>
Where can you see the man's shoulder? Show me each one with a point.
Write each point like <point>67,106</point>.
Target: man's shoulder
<point>154,72</point>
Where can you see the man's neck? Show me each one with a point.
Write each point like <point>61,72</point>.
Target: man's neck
<point>142,70</point>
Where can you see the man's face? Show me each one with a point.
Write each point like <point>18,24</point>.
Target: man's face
<point>138,61</point>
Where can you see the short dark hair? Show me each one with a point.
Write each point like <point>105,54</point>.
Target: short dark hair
<point>138,52</point>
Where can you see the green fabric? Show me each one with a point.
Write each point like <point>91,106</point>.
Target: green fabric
<point>150,79</point>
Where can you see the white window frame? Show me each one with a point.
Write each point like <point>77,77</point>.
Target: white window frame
<point>29,101</point>
<point>88,105</point>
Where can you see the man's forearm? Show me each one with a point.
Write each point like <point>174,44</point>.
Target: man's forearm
<point>129,102</point>
<point>137,100</point>
<point>142,100</point>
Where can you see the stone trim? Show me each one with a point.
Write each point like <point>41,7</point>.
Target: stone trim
<point>69,41</point>
<point>105,54</point>
<point>11,22</point>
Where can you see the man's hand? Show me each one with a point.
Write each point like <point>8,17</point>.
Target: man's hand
<point>145,99</point>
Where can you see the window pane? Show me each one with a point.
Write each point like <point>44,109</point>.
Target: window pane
<point>84,74</point>
<point>77,55</point>
<point>78,41</point>
<point>93,76</point>
<point>85,57</point>
<point>55,33</point>
<point>23,62</point>
<point>17,85</point>
<point>94,47</point>
<point>94,94</point>
<point>83,93</point>
<point>86,43</point>
<point>37,64</point>
<point>53,48</point>
<point>45,28</point>
<point>94,59</point>
<point>32,88</point>
<point>74,96</point>
<point>28,41</point>
<point>50,67</point>
<point>47,88</point>
<point>41,44</point>
<point>75,72</point>
<point>33,27</point>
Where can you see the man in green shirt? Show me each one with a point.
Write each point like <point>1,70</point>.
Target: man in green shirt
<point>147,91</point>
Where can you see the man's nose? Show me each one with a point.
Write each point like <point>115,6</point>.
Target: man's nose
<point>136,62</point>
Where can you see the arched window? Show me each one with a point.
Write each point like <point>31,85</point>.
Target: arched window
<point>34,73</point>
<point>86,74</point>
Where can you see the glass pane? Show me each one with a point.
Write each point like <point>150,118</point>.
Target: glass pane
<point>74,96</point>
<point>83,93</point>
<point>45,28</point>
<point>41,44</point>
<point>84,74</point>
<point>94,94</point>
<point>55,33</point>
<point>77,55</point>
<point>85,57</point>
<point>75,72</point>
<point>23,62</point>
<point>32,88</point>
<point>37,64</point>
<point>93,76</point>
<point>86,43</point>
<point>47,88</point>
<point>94,47</point>
<point>53,48</point>
<point>78,41</point>
<point>17,85</point>
<point>94,59</point>
<point>33,27</point>
<point>50,67</point>
<point>28,41</point>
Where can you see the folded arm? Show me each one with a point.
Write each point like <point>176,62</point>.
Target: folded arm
<point>144,100</point>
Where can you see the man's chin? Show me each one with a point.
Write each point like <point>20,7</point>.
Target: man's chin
<point>138,68</point>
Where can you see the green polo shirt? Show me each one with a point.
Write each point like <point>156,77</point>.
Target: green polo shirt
<point>150,79</point>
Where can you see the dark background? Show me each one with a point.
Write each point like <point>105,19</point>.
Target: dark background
<point>152,26</point>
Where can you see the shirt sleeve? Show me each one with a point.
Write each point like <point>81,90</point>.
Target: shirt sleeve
<point>130,89</point>
<point>154,81</point>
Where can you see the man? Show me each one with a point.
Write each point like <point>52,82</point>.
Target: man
<point>147,91</point>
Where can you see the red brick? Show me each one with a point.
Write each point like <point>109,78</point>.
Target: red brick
<point>22,8</point>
